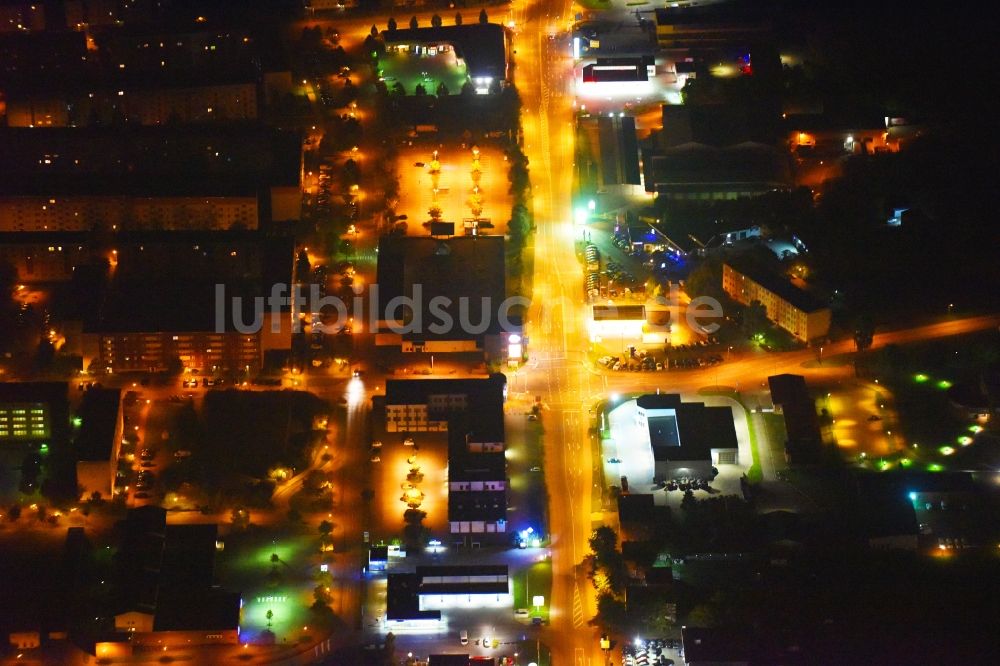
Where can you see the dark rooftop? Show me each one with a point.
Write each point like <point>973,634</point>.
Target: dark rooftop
<point>209,610</point>
<point>692,432</point>
<point>619,312</point>
<point>717,646</point>
<point>403,600</point>
<point>779,286</point>
<point>99,411</point>
<point>787,388</point>
<point>484,401</point>
<point>695,167</point>
<point>195,160</point>
<point>464,269</point>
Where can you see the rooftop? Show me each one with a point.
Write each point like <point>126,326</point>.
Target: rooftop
<point>100,411</point>
<point>483,399</point>
<point>196,160</point>
<point>690,432</point>
<point>467,270</point>
<point>483,46</point>
<point>403,600</point>
<point>702,168</point>
<point>778,286</point>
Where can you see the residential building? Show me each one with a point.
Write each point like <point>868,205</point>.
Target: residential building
<point>44,256</point>
<point>788,306</point>
<point>202,314</point>
<point>148,178</point>
<point>98,442</point>
<point>686,438</point>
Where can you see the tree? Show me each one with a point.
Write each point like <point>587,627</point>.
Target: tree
<point>864,333</point>
<point>468,89</point>
<point>420,90</point>
<point>398,90</point>
<point>303,269</point>
<point>442,90</point>
<point>269,615</point>
<point>688,502</point>
<point>436,21</point>
<point>458,18</point>
<point>413,23</point>
<point>754,318</point>
<point>705,280</point>
<point>610,614</point>
<point>325,528</point>
<point>483,18</point>
<point>603,541</point>
<point>391,25</point>
<point>389,650</point>
<point>240,518</point>
<point>274,558</point>
<point>321,596</point>
<point>374,31</point>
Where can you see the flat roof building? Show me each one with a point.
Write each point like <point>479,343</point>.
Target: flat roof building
<point>99,441</point>
<point>803,442</point>
<point>463,277</point>
<point>686,438</point>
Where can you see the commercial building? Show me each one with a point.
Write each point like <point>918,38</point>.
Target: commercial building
<point>98,442</point>
<point>615,162</point>
<point>700,172</point>
<point>686,438</point>
<point>165,586</point>
<point>33,413</point>
<point>788,306</point>
<point>153,178</point>
<point>427,405</point>
<point>483,48</point>
<point>711,25</point>
<point>477,483</point>
<point>470,411</point>
<point>445,296</point>
<point>791,399</point>
<point>421,596</point>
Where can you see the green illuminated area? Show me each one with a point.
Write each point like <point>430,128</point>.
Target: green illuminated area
<point>410,70</point>
<point>283,585</point>
<point>532,582</point>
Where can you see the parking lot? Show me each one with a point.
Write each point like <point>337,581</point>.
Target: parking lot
<point>459,184</point>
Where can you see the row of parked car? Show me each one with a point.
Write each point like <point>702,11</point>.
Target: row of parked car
<point>646,363</point>
<point>694,362</point>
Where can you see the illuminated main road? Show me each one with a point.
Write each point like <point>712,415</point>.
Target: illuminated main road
<point>558,337</point>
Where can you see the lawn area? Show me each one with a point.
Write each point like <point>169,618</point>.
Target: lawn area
<point>409,70</point>
<point>246,565</point>
<point>754,474</point>
<point>533,581</point>
<point>774,432</point>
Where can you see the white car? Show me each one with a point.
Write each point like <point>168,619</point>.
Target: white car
<point>463,637</point>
